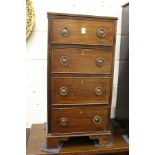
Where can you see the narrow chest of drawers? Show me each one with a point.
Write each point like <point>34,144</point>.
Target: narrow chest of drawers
<point>80,73</point>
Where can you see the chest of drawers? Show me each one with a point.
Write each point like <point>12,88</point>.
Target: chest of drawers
<point>80,74</point>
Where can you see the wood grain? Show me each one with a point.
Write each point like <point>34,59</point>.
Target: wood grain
<point>79,119</point>
<point>76,37</point>
<point>81,61</point>
<point>80,90</point>
<point>52,15</point>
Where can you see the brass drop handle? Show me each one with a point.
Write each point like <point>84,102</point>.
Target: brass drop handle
<point>97,120</point>
<point>99,62</point>
<point>101,32</point>
<point>63,91</point>
<point>64,60</point>
<point>63,121</point>
<point>64,32</point>
<point>98,91</point>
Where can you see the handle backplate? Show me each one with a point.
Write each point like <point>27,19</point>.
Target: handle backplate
<point>97,120</point>
<point>64,32</point>
<point>99,62</point>
<point>63,121</point>
<point>63,91</point>
<point>64,60</point>
<point>98,91</point>
<point>101,32</point>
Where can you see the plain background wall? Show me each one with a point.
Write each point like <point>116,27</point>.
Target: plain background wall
<point>36,50</point>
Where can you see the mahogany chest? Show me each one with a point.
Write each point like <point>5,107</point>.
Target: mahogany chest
<point>80,74</point>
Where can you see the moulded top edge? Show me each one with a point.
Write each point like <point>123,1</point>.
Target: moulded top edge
<point>50,14</point>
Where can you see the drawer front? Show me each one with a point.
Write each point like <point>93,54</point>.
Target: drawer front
<point>79,119</point>
<point>91,61</point>
<point>80,90</point>
<point>75,31</point>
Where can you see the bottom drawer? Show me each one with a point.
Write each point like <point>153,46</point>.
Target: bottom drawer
<point>65,120</point>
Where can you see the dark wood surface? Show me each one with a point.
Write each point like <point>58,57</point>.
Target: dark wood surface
<point>76,37</point>
<point>79,119</point>
<point>78,16</point>
<point>81,61</point>
<point>78,146</point>
<point>80,90</point>
<point>82,77</point>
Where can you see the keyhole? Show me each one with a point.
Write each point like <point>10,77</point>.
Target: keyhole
<point>83,53</point>
<point>80,112</point>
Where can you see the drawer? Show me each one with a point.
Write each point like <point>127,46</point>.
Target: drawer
<point>80,90</point>
<point>74,60</point>
<point>79,119</point>
<point>76,31</point>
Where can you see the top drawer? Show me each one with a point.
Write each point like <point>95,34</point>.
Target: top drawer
<point>78,31</point>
